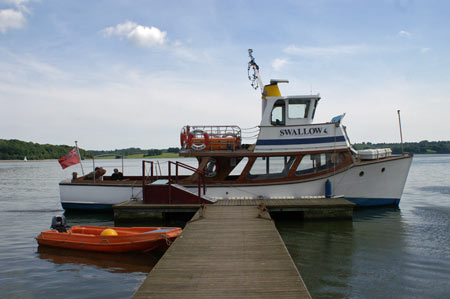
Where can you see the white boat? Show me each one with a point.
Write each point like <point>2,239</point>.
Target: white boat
<point>291,157</point>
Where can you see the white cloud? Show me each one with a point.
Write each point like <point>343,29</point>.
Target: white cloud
<point>425,50</point>
<point>404,33</point>
<point>177,43</point>
<point>137,34</point>
<point>278,63</point>
<point>11,19</point>
<point>324,51</point>
<point>19,4</point>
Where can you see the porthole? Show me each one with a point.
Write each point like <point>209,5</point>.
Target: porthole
<point>383,169</point>
<point>361,173</point>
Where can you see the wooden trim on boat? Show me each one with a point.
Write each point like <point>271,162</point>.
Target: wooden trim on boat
<point>248,153</point>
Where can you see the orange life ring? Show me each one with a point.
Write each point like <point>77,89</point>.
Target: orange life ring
<point>182,139</point>
<point>204,141</point>
<point>184,136</point>
<point>205,134</point>
<point>189,140</point>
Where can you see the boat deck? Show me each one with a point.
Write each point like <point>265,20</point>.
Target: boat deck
<point>226,251</point>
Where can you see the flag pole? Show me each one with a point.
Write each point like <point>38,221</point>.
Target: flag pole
<point>400,125</point>
<point>79,156</point>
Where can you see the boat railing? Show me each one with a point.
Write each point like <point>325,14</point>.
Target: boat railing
<point>200,181</point>
<point>151,175</point>
<point>216,130</point>
<point>152,171</point>
<point>214,137</point>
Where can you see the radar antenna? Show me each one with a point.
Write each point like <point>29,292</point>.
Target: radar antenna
<point>253,72</point>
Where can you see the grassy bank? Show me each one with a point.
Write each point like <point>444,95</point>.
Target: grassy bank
<point>142,156</point>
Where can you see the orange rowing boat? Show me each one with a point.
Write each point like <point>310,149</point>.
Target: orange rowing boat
<point>111,239</point>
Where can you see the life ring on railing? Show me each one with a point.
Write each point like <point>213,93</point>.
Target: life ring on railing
<point>182,139</point>
<point>189,140</point>
<point>195,146</point>
<point>184,136</point>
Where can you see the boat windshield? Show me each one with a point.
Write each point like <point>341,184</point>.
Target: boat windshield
<point>298,108</point>
<point>278,113</point>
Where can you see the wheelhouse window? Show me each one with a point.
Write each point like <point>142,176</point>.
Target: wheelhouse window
<point>298,108</point>
<point>319,162</point>
<point>278,113</point>
<point>270,167</point>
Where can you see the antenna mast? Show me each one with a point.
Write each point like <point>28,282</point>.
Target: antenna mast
<point>254,76</point>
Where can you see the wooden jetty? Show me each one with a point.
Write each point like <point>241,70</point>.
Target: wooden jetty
<point>308,208</point>
<point>226,251</point>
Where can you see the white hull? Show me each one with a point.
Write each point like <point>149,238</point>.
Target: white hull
<point>96,197</point>
<point>373,188</point>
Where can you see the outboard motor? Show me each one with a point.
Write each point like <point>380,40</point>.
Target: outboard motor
<point>59,223</point>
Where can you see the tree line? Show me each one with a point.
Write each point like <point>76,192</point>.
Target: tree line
<point>422,147</point>
<point>17,150</point>
<point>14,149</point>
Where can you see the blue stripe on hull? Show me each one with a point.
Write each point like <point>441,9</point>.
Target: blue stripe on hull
<point>373,202</point>
<point>300,141</point>
<point>85,206</point>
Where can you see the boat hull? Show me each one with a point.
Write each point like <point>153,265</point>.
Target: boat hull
<point>96,196</point>
<point>376,183</point>
<point>89,238</point>
<point>373,183</point>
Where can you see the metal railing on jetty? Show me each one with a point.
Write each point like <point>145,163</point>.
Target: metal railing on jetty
<point>153,177</point>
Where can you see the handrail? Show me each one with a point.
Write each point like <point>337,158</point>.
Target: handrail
<point>201,177</point>
<point>200,182</point>
<point>143,171</point>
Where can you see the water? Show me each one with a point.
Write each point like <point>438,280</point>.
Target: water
<point>383,253</point>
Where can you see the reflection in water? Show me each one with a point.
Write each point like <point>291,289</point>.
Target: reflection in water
<point>322,252</point>
<point>113,263</point>
<point>437,189</point>
<point>335,258</point>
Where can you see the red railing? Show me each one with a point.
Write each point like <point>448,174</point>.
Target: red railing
<point>143,171</point>
<point>200,181</point>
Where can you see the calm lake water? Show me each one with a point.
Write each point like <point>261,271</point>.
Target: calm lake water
<point>383,253</point>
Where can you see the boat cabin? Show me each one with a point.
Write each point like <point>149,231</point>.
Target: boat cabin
<point>288,145</point>
<point>286,111</point>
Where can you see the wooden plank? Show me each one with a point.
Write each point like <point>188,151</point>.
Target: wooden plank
<point>230,252</point>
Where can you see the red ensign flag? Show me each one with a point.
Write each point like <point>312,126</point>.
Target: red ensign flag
<point>70,159</point>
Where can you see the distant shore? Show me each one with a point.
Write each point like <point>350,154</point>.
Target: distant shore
<point>103,158</point>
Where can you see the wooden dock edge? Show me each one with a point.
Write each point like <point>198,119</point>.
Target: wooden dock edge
<point>310,208</point>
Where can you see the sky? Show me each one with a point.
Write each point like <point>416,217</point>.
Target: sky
<point>118,74</point>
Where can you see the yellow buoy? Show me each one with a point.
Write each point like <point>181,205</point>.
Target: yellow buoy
<point>109,232</point>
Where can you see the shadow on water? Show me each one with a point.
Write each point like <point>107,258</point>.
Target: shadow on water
<point>377,212</point>
<point>75,217</point>
<point>111,262</point>
<point>88,218</point>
